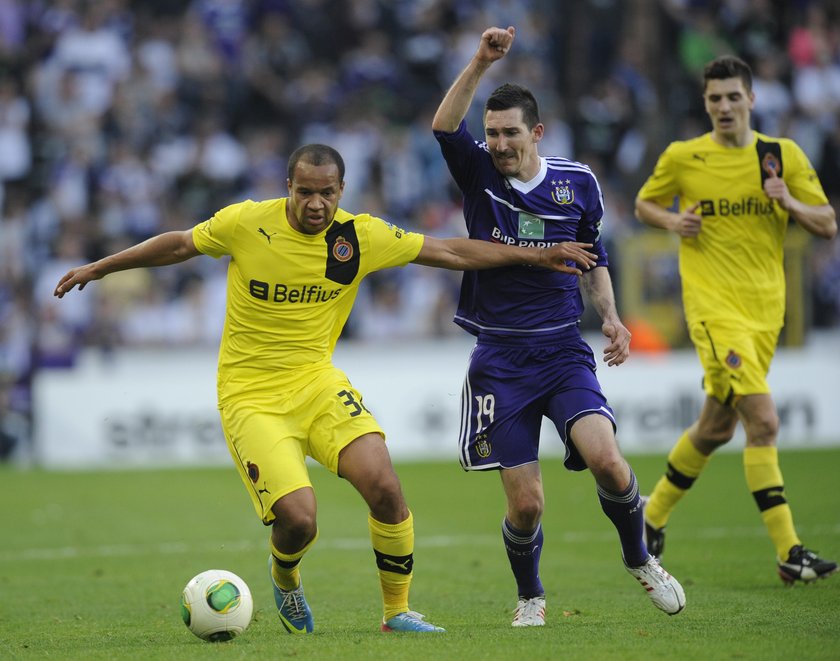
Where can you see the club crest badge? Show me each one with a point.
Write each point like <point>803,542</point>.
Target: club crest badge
<point>342,250</point>
<point>770,164</point>
<point>733,360</point>
<point>253,472</point>
<point>562,193</point>
<point>482,447</point>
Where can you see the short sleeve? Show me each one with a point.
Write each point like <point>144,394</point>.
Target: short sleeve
<point>802,179</point>
<point>214,236</point>
<point>662,185</point>
<point>391,245</point>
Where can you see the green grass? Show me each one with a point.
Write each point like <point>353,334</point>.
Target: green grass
<point>92,565</point>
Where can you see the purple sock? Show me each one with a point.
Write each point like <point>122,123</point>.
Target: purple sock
<point>523,550</point>
<point>625,511</point>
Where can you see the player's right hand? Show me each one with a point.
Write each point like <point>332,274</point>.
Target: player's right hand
<point>688,222</point>
<point>495,43</point>
<point>556,256</point>
<point>79,276</point>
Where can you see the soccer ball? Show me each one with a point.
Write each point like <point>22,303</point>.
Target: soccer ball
<point>217,605</point>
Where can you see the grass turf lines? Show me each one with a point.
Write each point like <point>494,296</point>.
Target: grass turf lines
<point>92,566</point>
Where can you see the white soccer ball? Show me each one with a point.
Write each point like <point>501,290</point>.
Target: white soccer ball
<point>217,605</point>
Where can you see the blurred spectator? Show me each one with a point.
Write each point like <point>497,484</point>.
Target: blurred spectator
<point>816,91</point>
<point>15,148</point>
<point>809,36</point>
<point>96,52</point>
<point>272,54</point>
<point>14,425</point>
<point>701,40</point>
<point>773,109</point>
<point>128,191</point>
<point>755,26</point>
<point>826,290</point>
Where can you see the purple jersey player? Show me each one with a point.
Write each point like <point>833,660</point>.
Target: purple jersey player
<point>530,360</point>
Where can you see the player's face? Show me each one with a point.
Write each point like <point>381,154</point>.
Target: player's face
<point>313,196</point>
<point>513,147</point>
<point>728,105</point>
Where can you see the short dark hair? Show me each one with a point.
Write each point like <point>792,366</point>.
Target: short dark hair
<point>728,66</point>
<point>316,154</point>
<point>510,96</point>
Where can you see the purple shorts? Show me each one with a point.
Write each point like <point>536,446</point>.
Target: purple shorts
<point>511,384</point>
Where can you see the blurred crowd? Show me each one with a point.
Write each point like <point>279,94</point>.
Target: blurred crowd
<point>121,119</point>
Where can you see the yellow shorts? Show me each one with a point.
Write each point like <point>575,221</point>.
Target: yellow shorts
<point>269,438</point>
<point>735,359</point>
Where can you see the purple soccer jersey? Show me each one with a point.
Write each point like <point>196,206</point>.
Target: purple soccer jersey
<point>529,360</point>
<point>562,203</point>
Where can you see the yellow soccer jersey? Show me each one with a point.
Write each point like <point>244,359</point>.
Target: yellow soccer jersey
<point>733,271</point>
<point>289,294</point>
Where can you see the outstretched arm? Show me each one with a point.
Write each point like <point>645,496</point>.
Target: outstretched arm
<point>598,287</point>
<point>494,44</point>
<point>160,250</point>
<point>460,254</point>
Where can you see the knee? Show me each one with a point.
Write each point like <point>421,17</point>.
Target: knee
<point>610,470</point>
<point>713,436</point>
<point>526,511</point>
<point>384,498</point>
<point>762,431</point>
<point>296,528</point>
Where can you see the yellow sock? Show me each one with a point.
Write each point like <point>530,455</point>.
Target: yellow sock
<point>393,545</point>
<point>285,569</point>
<point>764,480</point>
<point>685,463</point>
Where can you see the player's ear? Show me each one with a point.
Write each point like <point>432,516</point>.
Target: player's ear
<point>289,185</point>
<point>538,131</point>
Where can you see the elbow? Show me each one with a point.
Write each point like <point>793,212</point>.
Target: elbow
<point>185,247</point>
<point>444,125</point>
<point>830,230</point>
<point>637,210</point>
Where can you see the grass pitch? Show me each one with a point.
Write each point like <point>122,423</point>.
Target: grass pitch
<point>92,566</point>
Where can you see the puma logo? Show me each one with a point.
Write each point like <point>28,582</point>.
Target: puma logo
<point>398,565</point>
<point>266,234</point>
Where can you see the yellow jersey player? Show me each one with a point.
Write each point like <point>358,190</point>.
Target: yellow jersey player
<point>737,190</point>
<point>295,268</point>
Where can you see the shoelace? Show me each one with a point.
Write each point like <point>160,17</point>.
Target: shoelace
<point>802,556</point>
<point>661,575</point>
<point>808,557</point>
<point>653,574</point>
<point>293,604</point>
<point>528,609</point>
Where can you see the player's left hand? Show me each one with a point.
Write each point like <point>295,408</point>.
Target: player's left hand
<point>557,255</point>
<point>618,350</point>
<point>495,43</point>
<point>776,189</point>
